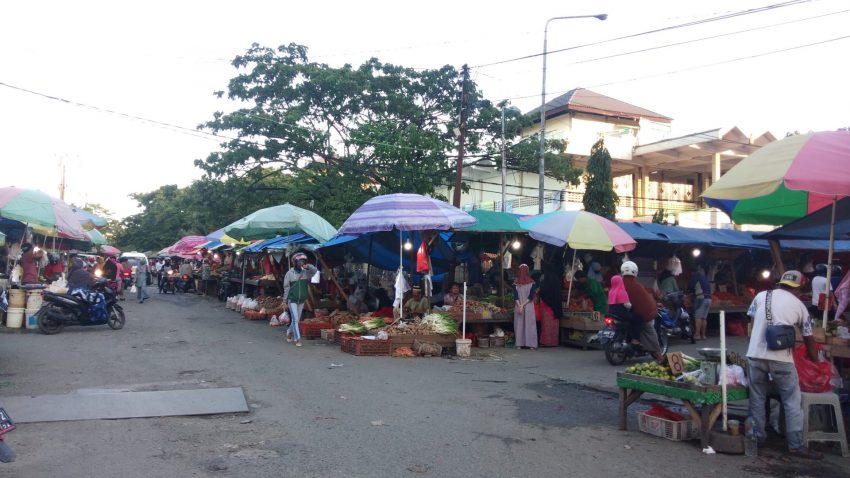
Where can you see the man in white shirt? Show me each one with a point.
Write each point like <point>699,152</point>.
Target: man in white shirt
<point>765,364</point>
<point>819,285</point>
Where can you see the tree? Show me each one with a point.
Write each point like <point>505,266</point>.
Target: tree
<point>113,226</point>
<point>375,129</point>
<point>599,196</point>
<point>659,217</point>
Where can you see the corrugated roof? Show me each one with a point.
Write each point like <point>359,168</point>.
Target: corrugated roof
<point>585,101</point>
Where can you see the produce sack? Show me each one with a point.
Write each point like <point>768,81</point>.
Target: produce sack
<point>814,376</point>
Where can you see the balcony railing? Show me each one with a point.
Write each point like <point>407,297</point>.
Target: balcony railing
<point>554,200</point>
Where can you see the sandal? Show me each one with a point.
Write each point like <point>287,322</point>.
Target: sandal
<point>289,337</point>
<point>298,344</point>
<point>806,453</point>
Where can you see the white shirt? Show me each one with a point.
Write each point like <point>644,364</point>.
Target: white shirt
<point>786,309</point>
<point>818,287</point>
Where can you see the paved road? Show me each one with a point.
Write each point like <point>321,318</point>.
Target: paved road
<point>512,413</point>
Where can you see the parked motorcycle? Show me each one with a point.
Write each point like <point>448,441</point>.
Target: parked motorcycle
<point>60,310</point>
<point>675,318</point>
<point>7,455</point>
<point>616,339</point>
<point>169,283</point>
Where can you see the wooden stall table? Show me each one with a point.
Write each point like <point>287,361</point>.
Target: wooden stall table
<point>583,323</point>
<point>707,397</point>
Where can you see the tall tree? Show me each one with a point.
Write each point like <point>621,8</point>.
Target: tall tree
<point>599,196</point>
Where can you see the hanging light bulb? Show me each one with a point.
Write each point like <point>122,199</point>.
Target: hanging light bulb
<point>516,245</point>
<point>765,274</point>
<point>216,256</point>
<point>697,252</point>
<point>408,245</point>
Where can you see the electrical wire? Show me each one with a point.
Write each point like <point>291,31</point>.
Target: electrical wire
<point>657,30</point>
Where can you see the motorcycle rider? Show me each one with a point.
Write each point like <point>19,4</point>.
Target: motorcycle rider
<point>644,306</point>
<point>163,274</point>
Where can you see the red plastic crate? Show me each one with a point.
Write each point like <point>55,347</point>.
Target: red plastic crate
<point>313,330</point>
<point>364,347</point>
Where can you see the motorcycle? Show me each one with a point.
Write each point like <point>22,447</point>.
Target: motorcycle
<point>7,455</point>
<point>675,318</point>
<point>185,283</point>
<point>169,283</point>
<point>60,310</point>
<point>616,339</point>
<point>224,287</point>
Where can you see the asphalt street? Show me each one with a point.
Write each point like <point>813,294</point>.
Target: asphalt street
<point>318,412</point>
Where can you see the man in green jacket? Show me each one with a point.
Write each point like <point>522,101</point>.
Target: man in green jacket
<point>295,292</point>
<point>594,289</point>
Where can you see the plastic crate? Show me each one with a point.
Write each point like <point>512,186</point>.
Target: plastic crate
<point>660,427</point>
<point>313,330</point>
<point>365,347</point>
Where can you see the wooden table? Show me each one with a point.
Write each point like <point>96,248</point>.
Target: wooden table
<point>707,397</point>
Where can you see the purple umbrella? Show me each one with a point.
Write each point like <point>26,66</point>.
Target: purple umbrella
<point>405,212</point>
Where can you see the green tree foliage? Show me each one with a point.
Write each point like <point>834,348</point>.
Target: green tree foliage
<point>659,217</point>
<point>599,196</point>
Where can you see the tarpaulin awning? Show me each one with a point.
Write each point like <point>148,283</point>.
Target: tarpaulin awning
<point>385,250</point>
<point>280,243</point>
<point>493,221</point>
<point>816,224</point>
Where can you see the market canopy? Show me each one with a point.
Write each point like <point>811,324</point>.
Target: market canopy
<point>46,215</point>
<point>221,238</point>
<point>281,220</point>
<point>87,219</point>
<point>185,246</point>
<point>2,239</point>
<point>493,221</point>
<point>108,250</point>
<point>404,212</point>
<point>96,237</point>
<point>816,225</point>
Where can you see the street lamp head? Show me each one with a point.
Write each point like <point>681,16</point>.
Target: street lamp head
<point>601,16</point>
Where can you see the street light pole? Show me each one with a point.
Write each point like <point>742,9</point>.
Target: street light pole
<point>542,168</point>
<point>513,109</point>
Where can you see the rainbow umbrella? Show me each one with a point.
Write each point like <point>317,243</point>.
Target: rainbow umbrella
<point>786,180</point>
<point>44,214</point>
<point>579,230</point>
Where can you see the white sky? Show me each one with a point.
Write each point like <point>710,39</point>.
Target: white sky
<point>162,60</point>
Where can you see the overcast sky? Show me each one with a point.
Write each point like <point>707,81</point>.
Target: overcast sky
<point>163,60</point>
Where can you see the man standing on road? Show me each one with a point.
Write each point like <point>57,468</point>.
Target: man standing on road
<point>783,307</point>
<point>295,290</point>
<point>142,281</point>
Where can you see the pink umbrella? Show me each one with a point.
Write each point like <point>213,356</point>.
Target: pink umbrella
<point>108,250</point>
<point>186,246</point>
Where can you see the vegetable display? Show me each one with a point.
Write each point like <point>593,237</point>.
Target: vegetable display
<point>352,327</point>
<point>652,370</point>
<point>374,323</point>
<point>441,324</point>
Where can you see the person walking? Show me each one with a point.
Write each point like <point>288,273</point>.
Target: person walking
<point>765,366</point>
<point>142,281</point>
<point>295,291</point>
<point>525,325</point>
<point>842,294</point>
<point>701,289</point>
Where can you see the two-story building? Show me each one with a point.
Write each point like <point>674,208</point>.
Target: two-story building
<point>651,169</point>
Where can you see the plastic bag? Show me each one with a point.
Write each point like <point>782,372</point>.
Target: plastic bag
<point>274,322</point>
<point>422,265</point>
<point>814,376</point>
<point>735,375</point>
<point>284,318</point>
<point>665,413</point>
<point>133,289</point>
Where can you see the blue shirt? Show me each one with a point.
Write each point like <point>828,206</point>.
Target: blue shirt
<point>702,280</point>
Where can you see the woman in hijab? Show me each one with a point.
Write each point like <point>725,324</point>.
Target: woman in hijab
<point>620,306</point>
<point>525,326</point>
<point>79,277</point>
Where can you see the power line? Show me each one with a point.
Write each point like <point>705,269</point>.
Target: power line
<point>697,67</point>
<point>657,30</point>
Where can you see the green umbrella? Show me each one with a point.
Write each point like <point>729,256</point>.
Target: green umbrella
<point>96,237</point>
<point>280,220</point>
<point>492,221</point>
<point>2,239</point>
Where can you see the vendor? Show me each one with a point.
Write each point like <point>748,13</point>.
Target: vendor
<point>594,290</point>
<point>453,296</point>
<point>417,305</point>
<point>29,263</point>
<point>667,283</point>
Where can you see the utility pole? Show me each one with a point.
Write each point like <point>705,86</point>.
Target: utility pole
<point>464,100</point>
<point>61,179</point>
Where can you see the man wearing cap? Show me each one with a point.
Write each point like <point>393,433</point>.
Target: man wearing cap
<point>765,364</point>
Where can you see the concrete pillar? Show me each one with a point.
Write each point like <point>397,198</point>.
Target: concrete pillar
<point>637,174</point>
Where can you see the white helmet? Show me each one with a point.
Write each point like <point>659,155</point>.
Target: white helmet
<point>629,268</point>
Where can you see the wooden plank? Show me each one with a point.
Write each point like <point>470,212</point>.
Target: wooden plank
<point>333,276</point>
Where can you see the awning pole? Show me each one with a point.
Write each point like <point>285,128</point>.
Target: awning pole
<point>829,263</point>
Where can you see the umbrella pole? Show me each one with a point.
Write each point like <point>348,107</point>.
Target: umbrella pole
<point>829,263</point>
<point>401,271</point>
<point>570,289</point>
<point>369,266</point>
<point>244,260</point>
<point>501,293</point>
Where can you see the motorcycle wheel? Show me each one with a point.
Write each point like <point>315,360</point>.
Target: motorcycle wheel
<point>615,354</point>
<point>688,330</point>
<point>47,325</point>
<point>116,319</point>
<point>663,340</point>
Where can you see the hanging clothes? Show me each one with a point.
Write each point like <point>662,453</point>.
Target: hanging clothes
<point>537,256</point>
<point>507,258</point>
<point>401,286</point>
<point>427,286</point>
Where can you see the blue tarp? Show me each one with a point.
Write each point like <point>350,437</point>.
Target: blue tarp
<point>639,233</point>
<point>816,224</point>
<point>280,242</point>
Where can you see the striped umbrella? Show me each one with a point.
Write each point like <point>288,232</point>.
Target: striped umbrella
<point>46,215</point>
<point>405,212</point>
<point>786,180</point>
<point>579,230</point>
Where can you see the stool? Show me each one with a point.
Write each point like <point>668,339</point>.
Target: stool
<point>830,399</point>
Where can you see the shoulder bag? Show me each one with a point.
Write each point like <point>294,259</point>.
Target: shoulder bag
<point>779,337</point>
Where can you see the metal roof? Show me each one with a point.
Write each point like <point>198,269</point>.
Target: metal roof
<point>585,101</point>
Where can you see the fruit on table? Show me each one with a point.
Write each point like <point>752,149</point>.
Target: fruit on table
<point>651,369</point>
